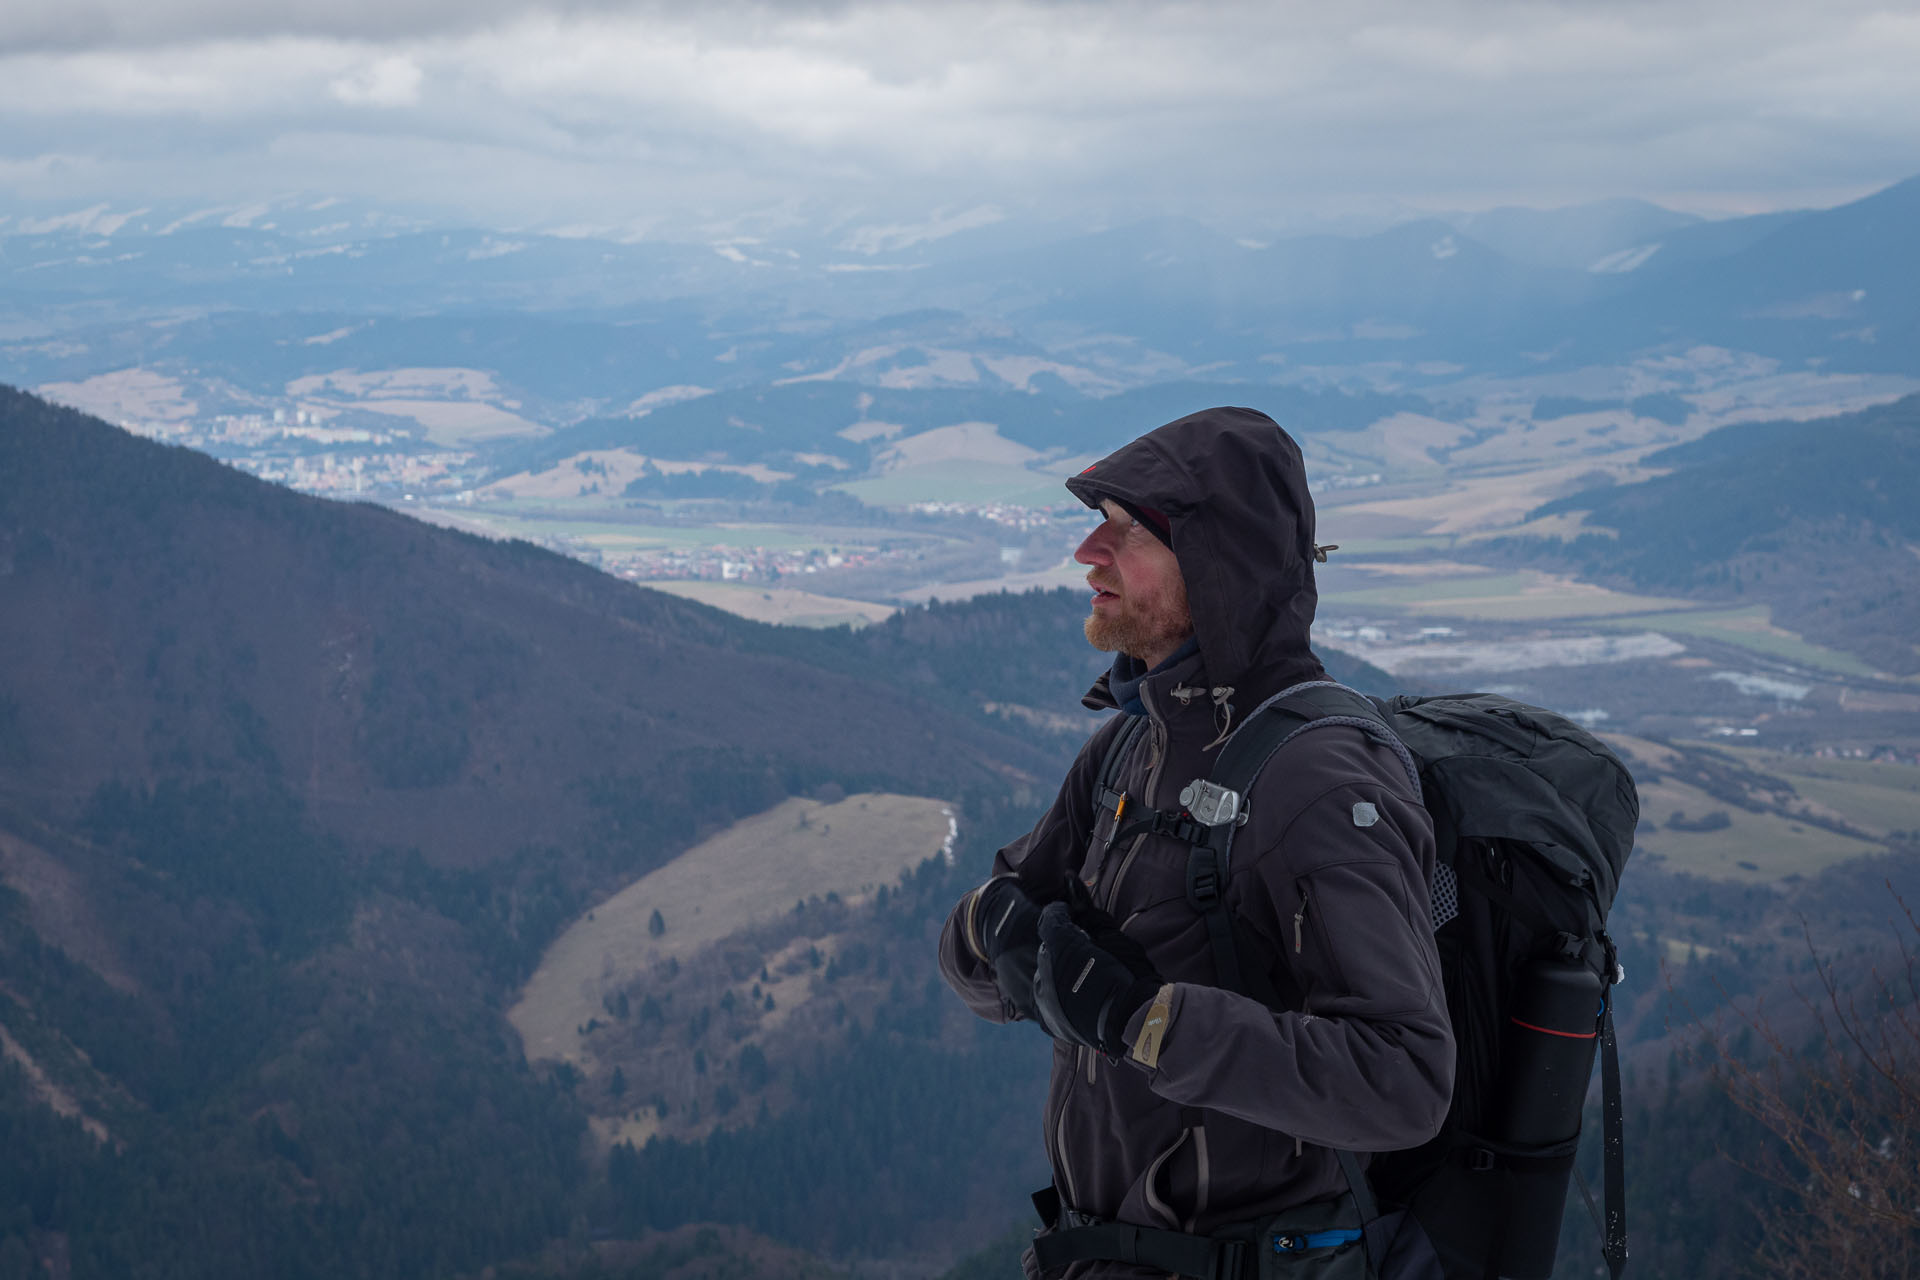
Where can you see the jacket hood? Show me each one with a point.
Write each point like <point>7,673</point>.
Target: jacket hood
<point>1233,488</point>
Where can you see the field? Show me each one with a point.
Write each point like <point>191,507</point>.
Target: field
<point>130,395</point>
<point>1525,596</point>
<point>1749,628</point>
<point>755,869</point>
<point>602,527</point>
<point>781,605</point>
<point>1065,574</point>
<point>602,475</point>
<point>1482,504</point>
<point>454,406</point>
<point>1755,848</point>
<point>1875,796</point>
<point>1451,589</point>
<point>968,480</point>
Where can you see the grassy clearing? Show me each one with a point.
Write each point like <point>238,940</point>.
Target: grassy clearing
<point>1064,574</point>
<point>1756,848</point>
<point>781,605</point>
<point>529,521</point>
<point>960,480</point>
<point>1494,505</point>
<point>1654,756</point>
<point>755,869</point>
<point>1417,594</point>
<point>1873,795</point>
<point>1750,628</point>
<point>1525,596</point>
<point>451,424</point>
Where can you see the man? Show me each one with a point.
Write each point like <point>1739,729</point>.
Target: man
<point>1176,1104</point>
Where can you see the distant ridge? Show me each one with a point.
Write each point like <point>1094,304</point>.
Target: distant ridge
<point>572,322</point>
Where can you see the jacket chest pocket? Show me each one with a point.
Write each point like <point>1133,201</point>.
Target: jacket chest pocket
<point>1100,850</point>
<point>1145,889</point>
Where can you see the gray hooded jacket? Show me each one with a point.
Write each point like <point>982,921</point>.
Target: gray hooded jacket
<point>1237,1117</point>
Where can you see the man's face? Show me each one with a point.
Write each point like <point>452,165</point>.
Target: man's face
<point>1140,605</point>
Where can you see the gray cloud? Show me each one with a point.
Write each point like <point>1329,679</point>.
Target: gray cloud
<point>66,25</point>
<point>1257,113</point>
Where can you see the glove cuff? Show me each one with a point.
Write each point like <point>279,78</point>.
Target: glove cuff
<point>1113,1032</point>
<point>970,924</point>
<point>976,922</point>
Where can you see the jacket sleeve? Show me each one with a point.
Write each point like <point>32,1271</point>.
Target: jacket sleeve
<point>1041,860</point>
<point>1366,1064</point>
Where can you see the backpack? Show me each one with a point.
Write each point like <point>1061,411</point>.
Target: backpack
<point>1534,819</point>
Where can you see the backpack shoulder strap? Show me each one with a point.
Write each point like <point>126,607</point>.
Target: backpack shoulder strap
<point>1218,802</point>
<point>1613,1157</point>
<point>1312,705</point>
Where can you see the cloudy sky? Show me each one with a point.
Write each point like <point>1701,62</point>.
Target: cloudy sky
<point>653,114</point>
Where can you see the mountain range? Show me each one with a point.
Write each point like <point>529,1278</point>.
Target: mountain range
<point>581,322</point>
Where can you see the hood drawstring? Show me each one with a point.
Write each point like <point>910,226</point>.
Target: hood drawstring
<point>1222,714</point>
<point>1222,709</point>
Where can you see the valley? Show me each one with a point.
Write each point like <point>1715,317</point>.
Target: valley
<point>782,1026</point>
<point>511,841</point>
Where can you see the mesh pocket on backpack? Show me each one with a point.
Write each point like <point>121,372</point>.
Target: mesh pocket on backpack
<point>1445,889</point>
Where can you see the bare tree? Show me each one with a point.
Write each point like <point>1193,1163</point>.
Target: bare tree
<point>1837,1081</point>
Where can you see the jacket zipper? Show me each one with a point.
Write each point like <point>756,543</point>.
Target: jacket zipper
<point>1083,1057</point>
<point>1300,920</point>
<point>1060,1148</point>
<point>1202,1177</point>
<point>1157,739</point>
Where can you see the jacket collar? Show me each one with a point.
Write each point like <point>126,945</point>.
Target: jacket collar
<point>1127,674</point>
<point>1128,687</point>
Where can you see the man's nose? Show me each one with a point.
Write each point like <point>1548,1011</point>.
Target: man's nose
<point>1094,548</point>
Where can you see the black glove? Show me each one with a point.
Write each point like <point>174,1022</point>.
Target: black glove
<point>1085,992</point>
<point>1006,925</point>
<point>1104,929</point>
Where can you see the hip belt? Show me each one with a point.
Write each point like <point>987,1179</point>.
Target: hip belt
<point>1236,1253</point>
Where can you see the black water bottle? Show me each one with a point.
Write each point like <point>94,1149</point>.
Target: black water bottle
<point>1553,1028</point>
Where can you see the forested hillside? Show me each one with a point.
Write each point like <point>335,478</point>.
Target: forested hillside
<point>292,793</point>
<point>1818,519</point>
<point>169,617</point>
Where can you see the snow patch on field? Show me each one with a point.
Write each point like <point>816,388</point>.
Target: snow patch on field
<point>1758,686</point>
<point>49,1093</point>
